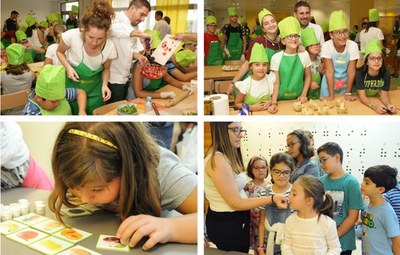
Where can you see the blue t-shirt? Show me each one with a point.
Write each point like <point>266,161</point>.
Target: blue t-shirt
<point>308,166</point>
<point>346,194</point>
<point>379,225</point>
<point>393,197</point>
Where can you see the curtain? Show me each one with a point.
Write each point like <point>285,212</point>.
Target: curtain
<point>177,10</point>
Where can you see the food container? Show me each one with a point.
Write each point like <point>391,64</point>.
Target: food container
<point>153,71</point>
<point>127,109</point>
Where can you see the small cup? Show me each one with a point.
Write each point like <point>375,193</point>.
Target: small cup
<point>40,209</point>
<point>6,213</point>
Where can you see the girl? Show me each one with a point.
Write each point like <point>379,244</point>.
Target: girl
<point>51,53</point>
<point>119,165</point>
<point>300,149</point>
<point>373,77</point>
<point>310,42</point>
<point>257,171</point>
<point>30,50</point>
<point>340,57</point>
<point>281,166</point>
<point>270,40</point>
<point>311,229</point>
<point>35,36</point>
<point>86,54</point>
<point>212,44</point>
<point>259,90</point>
<point>292,68</point>
<point>228,218</point>
<point>371,31</point>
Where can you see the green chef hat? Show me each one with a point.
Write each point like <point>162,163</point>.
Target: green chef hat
<point>20,35</point>
<point>264,12</point>
<point>59,17</point>
<point>51,18</point>
<point>1,45</point>
<point>211,20</point>
<point>325,26</point>
<point>155,36</point>
<point>50,83</point>
<point>373,15</point>
<point>30,20</point>
<point>75,9</point>
<point>258,54</point>
<point>15,54</point>
<point>44,24</point>
<point>185,57</point>
<point>308,37</point>
<point>288,26</point>
<point>337,21</point>
<point>232,11</point>
<point>373,46</point>
<point>22,28</point>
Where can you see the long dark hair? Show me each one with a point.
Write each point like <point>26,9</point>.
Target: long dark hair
<point>364,67</point>
<point>305,149</point>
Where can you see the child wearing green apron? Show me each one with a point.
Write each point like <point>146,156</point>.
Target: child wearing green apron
<point>212,45</point>
<point>234,36</point>
<point>30,53</point>
<point>310,42</point>
<point>50,96</point>
<point>259,91</point>
<point>340,57</point>
<point>292,68</point>
<point>373,78</point>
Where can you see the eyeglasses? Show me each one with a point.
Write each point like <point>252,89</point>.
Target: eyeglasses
<point>379,59</point>
<point>290,145</point>
<point>340,32</point>
<point>293,36</point>
<point>323,160</point>
<point>277,172</point>
<point>260,168</point>
<point>237,130</point>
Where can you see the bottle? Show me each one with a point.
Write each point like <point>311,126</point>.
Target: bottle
<point>147,105</point>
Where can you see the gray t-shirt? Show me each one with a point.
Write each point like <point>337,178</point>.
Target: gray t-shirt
<point>14,83</point>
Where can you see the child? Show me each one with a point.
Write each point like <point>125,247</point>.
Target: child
<point>340,56</point>
<point>311,229</point>
<point>373,78</point>
<point>50,96</point>
<point>3,59</point>
<point>51,56</point>
<point>30,50</point>
<point>120,166</point>
<point>259,90</point>
<point>381,232</point>
<point>212,45</point>
<point>185,59</point>
<point>393,197</point>
<point>292,68</point>
<point>310,42</point>
<point>282,165</point>
<point>257,171</point>
<point>345,191</point>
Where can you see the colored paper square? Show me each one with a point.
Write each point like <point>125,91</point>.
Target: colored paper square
<point>107,242</point>
<point>31,219</point>
<point>72,235</point>
<point>78,249</point>
<point>74,212</point>
<point>51,245</point>
<point>49,226</point>
<point>27,236</point>
<point>11,226</point>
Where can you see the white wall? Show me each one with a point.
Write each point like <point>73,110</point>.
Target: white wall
<point>364,143</point>
<point>40,8</point>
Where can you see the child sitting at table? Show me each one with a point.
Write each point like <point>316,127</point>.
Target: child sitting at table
<point>260,90</point>
<point>50,96</point>
<point>185,59</point>
<point>292,68</point>
<point>310,42</point>
<point>373,78</point>
<point>118,165</point>
<point>30,50</point>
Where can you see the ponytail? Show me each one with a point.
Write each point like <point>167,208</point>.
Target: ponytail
<point>327,206</point>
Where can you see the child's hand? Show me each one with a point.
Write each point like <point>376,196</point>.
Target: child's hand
<point>106,92</point>
<point>134,228</point>
<point>328,98</point>
<point>314,85</point>
<point>273,108</point>
<point>350,98</point>
<point>380,109</point>
<point>322,68</point>
<point>392,108</point>
<point>302,99</point>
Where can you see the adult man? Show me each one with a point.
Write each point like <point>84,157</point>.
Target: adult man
<point>234,41</point>
<point>161,25</point>
<point>302,13</point>
<point>11,25</point>
<point>126,38</point>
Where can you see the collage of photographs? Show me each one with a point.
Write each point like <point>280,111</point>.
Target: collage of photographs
<point>201,127</point>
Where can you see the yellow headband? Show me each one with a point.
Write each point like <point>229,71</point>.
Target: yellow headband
<point>92,136</point>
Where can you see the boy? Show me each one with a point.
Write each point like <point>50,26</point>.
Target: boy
<point>345,191</point>
<point>393,197</point>
<point>381,232</point>
<point>51,97</point>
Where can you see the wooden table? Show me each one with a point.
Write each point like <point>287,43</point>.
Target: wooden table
<point>36,67</point>
<point>216,73</point>
<point>187,106</point>
<point>353,108</point>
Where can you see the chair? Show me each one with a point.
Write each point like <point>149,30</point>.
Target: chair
<point>13,100</point>
<point>107,108</point>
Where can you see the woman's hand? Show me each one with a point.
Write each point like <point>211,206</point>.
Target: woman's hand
<point>280,201</point>
<point>106,92</point>
<point>134,228</point>
<point>71,74</point>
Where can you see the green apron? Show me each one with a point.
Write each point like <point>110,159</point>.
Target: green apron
<point>62,109</point>
<point>291,77</point>
<point>371,92</point>
<point>214,57</point>
<point>258,31</point>
<point>29,56</point>
<point>91,82</point>
<point>250,100</point>
<point>234,46</point>
<point>315,93</point>
<point>155,85</point>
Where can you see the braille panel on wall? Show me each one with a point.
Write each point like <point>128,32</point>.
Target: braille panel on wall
<point>364,144</point>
